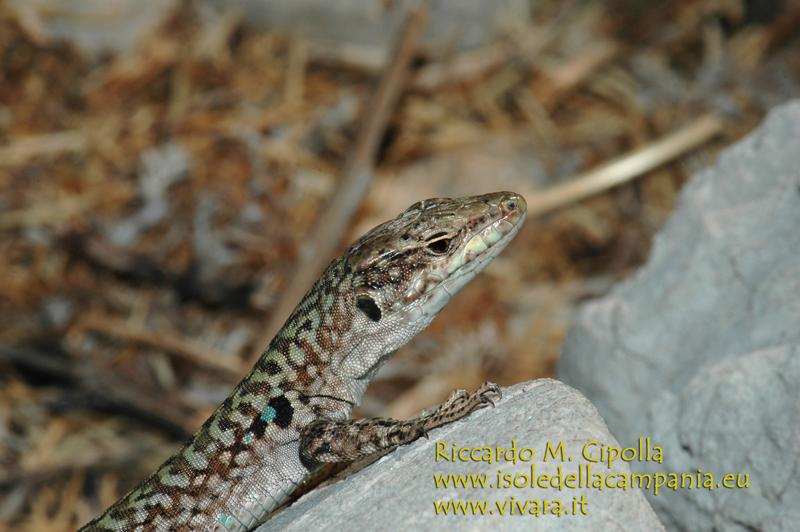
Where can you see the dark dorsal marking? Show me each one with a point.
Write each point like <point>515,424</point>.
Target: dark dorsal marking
<point>283,411</point>
<point>278,411</point>
<point>368,306</point>
<point>272,367</point>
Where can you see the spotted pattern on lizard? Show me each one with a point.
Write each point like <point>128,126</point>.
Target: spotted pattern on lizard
<point>291,413</point>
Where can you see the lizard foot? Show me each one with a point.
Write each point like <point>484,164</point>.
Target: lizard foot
<point>462,403</point>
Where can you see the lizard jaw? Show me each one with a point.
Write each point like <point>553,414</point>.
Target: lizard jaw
<point>474,254</point>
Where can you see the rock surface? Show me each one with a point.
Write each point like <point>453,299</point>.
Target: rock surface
<point>399,488</point>
<point>700,348</point>
<point>367,28</point>
<point>98,26</point>
<point>362,30</point>
<point>737,416</point>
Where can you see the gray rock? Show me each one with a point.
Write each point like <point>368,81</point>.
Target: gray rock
<point>739,416</point>
<point>162,167</point>
<point>359,32</point>
<point>696,349</point>
<point>399,488</point>
<point>99,25</point>
<point>367,27</point>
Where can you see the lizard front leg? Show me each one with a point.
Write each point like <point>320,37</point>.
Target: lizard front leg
<point>325,441</point>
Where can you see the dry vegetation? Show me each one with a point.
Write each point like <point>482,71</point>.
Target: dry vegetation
<point>153,205</point>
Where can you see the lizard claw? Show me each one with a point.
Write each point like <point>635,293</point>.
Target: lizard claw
<point>461,403</point>
<point>487,391</point>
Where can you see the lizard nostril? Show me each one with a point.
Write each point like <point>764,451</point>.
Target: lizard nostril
<point>512,203</point>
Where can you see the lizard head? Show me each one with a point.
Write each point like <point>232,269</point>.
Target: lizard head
<point>407,269</point>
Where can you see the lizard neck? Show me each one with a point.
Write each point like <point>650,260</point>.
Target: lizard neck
<point>318,354</point>
<point>306,352</point>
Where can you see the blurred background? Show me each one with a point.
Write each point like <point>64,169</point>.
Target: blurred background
<point>165,167</point>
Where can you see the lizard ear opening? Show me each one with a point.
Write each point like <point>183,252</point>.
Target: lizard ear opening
<point>368,306</point>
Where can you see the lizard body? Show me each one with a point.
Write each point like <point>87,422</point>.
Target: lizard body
<point>291,412</point>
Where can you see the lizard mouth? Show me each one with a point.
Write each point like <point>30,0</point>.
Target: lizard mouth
<point>478,250</point>
<point>490,239</point>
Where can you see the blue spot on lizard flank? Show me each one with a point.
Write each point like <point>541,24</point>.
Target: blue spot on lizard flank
<point>268,414</point>
<point>249,437</point>
<point>225,520</point>
<point>278,413</point>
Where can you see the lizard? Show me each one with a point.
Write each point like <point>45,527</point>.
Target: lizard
<point>292,412</point>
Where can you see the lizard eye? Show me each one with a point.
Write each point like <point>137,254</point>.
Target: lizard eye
<point>438,244</point>
<point>368,306</point>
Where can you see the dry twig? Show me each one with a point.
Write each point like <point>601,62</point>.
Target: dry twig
<point>574,72</point>
<point>186,348</point>
<point>62,209</point>
<point>105,393</point>
<point>472,65</point>
<point>625,168</point>
<point>26,148</point>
